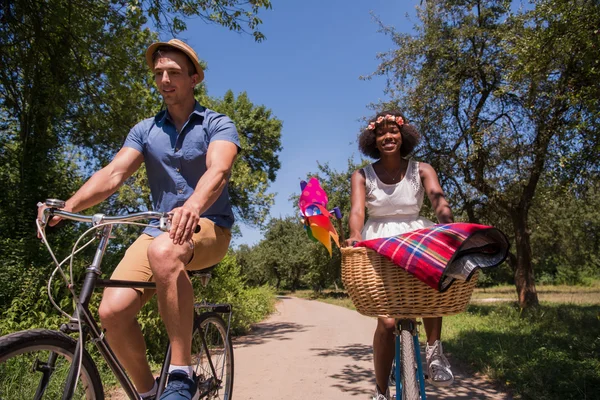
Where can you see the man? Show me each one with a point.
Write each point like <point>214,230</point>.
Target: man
<point>189,151</point>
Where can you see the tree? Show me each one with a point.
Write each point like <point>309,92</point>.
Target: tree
<point>258,162</point>
<point>501,98</point>
<point>565,237</point>
<point>73,82</point>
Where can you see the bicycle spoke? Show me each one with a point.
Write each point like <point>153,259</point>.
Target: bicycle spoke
<point>33,376</point>
<point>212,357</point>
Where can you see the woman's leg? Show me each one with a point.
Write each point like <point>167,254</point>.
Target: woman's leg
<point>438,367</point>
<point>433,329</point>
<point>383,351</point>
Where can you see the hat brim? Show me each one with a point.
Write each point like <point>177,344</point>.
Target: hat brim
<point>191,57</point>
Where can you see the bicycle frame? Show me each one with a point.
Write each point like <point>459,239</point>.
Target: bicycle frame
<point>411,326</point>
<point>91,328</point>
<point>82,320</point>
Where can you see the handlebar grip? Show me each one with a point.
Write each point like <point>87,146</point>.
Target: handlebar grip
<point>55,203</point>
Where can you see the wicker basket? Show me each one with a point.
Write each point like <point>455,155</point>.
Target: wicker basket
<point>379,288</point>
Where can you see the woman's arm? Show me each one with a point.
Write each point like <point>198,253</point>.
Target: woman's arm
<point>356,220</point>
<point>435,193</point>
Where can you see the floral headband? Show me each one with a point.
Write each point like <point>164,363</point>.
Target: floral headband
<point>388,117</point>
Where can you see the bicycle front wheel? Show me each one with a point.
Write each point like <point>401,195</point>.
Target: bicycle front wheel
<point>35,364</point>
<point>410,390</point>
<point>212,356</point>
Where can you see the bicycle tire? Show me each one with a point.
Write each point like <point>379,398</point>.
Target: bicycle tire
<point>410,389</point>
<point>219,385</point>
<point>23,357</point>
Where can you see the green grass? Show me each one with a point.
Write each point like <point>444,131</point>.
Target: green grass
<point>551,352</point>
<point>19,379</point>
<point>338,298</point>
<point>546,293</point>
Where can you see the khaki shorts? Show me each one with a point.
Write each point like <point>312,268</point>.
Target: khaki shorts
<point>210,246</point>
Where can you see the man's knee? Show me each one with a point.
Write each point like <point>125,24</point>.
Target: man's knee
<point>118,305</point>
<point>166,258</point>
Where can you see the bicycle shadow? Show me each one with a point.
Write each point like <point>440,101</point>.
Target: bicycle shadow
<point>352,377</point>
<point>352,380</point>
<point>269,331</point>
<point>356,351</point>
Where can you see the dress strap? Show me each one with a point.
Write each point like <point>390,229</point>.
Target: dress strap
<point>414,178</point>
<point>370,179</point>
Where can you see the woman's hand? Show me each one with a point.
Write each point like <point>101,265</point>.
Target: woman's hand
<point>351,241</point>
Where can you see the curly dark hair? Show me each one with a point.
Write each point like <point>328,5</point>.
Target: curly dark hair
<point>410,136</point>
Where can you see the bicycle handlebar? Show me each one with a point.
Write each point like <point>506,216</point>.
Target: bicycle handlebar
<point>97,219</point>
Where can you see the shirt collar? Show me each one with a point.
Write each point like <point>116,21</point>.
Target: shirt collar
<point>163,116</point>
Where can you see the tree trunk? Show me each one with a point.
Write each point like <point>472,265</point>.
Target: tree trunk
<point>524,278</point>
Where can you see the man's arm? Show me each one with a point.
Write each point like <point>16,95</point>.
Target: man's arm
<point>219,161</point>
<point>103,183</point>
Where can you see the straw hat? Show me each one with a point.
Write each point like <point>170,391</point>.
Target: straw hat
<point>181,46</point>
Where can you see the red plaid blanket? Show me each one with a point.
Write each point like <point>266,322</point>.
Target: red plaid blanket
<point>440,254</point>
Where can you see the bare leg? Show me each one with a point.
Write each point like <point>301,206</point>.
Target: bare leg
<point>383,351</point>
<point>175,294</point>
<point>433,329</point>
<point>118,311</point>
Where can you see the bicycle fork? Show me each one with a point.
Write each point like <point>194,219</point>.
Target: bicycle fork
<point>411,326</point>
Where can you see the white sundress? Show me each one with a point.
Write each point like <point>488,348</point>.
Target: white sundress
<point>393,209</point>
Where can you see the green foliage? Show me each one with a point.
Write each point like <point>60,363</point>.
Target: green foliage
<point>228,285</point>
<point>72,85</point>
<point>540,354</point>
<point>236,15</point>
<point>258,161</point>
<point>250,305</point>
<point>566,234</point>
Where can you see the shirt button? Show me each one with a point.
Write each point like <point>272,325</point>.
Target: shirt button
<point>176,149</point>
<point>177,169</point>
<point>180,191</point>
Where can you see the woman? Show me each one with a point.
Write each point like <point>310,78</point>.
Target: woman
<point>392,190</point>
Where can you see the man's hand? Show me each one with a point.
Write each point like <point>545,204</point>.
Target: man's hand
<point>184,220</point>
<point>53,220</point>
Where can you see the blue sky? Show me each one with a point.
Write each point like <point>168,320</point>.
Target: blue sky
<point>307,72</point>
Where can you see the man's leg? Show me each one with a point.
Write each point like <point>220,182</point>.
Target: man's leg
<point>175,294</point>
<point>118,311</point>
<point>174,289</point>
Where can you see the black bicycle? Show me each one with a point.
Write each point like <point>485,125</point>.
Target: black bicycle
<point>46,364</point>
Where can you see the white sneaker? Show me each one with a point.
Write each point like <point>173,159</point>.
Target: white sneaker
<point>381,396</point>
<point>438,367</point>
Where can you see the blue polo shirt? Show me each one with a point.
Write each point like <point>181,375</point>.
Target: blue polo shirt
<point>175,162</point>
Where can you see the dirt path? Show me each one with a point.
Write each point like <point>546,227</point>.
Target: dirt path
<point>312,350</point>
<point>309,350</point>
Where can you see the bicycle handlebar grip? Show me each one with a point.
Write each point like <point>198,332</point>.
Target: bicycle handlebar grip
<point>55,203</point>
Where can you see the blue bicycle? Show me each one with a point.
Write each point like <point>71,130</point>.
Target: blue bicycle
<point>407,370</point>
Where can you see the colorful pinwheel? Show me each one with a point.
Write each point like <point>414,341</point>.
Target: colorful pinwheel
<point>313,206</point>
